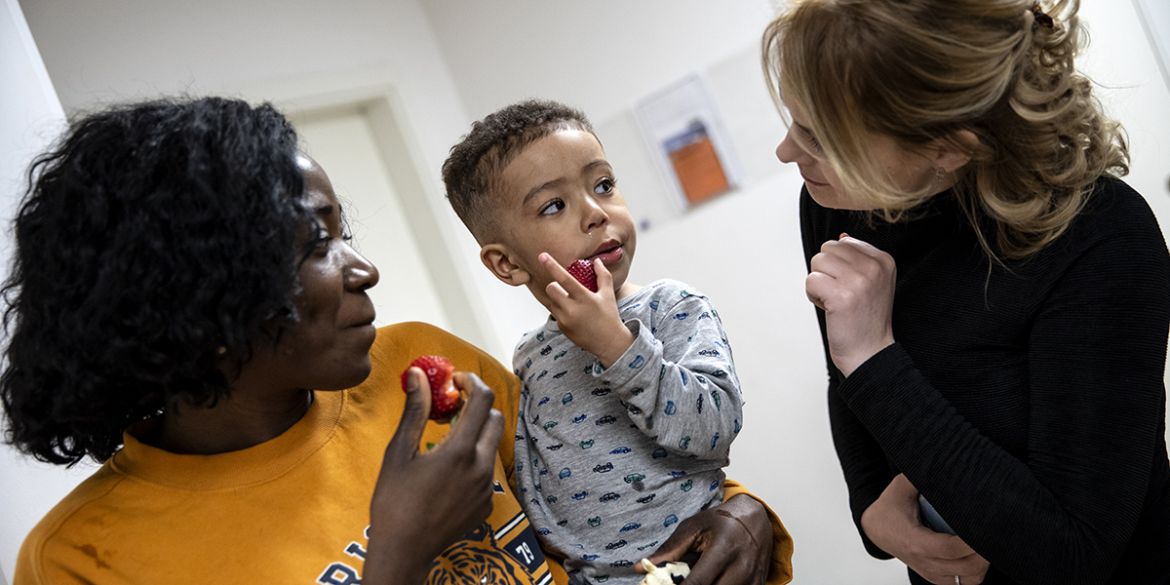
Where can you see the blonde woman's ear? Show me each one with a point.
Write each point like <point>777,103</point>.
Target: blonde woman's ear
<point>952,155</point>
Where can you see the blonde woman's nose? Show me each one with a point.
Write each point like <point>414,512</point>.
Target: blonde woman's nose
<point>788,151</point>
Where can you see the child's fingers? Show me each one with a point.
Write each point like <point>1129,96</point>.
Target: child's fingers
<point>604,276</point>
<point>555,300</point>
<point>556,295</point>
<point>560,276</point>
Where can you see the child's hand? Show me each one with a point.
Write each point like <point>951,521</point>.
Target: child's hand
<point>589,319</point>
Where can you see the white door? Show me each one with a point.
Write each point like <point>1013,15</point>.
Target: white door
<point>30,119</point>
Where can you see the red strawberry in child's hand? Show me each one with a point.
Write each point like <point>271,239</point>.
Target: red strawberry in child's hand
<point>445,398</point>
<point>582,270</point>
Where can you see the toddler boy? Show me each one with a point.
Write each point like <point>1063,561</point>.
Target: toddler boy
<point>630,399</point>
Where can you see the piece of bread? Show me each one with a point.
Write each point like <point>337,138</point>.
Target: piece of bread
<point>668,574</point>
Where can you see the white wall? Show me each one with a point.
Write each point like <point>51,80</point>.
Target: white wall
<point>30,117</point>
<point>455,60</point>
<point>1121,60</point>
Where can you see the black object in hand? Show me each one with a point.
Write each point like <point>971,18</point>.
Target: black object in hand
<point>930,517</point>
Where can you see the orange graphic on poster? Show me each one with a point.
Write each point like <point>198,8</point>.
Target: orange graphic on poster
<point>696,164</point>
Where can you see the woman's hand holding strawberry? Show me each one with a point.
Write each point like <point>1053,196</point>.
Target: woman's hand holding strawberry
<point>452,482</point>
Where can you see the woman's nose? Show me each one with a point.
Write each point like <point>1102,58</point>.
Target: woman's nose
<point>360,274</point>
<point>788,151</point>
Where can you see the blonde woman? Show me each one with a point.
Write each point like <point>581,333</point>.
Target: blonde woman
<point>993,300</point>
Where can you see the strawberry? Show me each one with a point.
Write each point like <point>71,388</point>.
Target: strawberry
<point>582,270</point>
<point>445,398</point>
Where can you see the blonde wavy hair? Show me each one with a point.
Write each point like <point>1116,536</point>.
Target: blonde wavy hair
<point>923,71</point>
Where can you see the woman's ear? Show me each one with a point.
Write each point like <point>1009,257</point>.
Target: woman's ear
<point>953,154</point>
<point>498,259</point>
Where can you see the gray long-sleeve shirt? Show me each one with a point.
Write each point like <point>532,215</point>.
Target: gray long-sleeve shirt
<point>609,460</point>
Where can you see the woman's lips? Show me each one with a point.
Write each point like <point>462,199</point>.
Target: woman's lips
<point>366,319</point>
<point>816,183</point>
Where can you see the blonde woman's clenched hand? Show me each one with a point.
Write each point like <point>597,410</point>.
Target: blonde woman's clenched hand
<point>853,282</point>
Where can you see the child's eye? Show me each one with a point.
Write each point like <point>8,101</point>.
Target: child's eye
<point>605,186</point>
<point>554,206</point>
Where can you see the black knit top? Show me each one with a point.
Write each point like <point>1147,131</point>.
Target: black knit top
<point>1026,403</point>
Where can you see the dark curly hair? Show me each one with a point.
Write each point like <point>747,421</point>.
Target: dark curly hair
<point>472,169</point>
<point>155,246</point>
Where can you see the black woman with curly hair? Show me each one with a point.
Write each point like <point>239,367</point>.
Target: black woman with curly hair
<point>185,307</point>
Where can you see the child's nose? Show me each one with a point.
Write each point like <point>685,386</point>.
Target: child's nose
<point>595,215</point>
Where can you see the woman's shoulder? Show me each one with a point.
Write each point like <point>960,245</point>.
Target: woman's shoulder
<point>1115,210</point>
<point>1115,228</point>
<point>54,540</point>
<point>1113,193</point>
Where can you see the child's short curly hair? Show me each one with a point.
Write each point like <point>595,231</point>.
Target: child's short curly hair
<point>157,245</point>
<point>471,171</point>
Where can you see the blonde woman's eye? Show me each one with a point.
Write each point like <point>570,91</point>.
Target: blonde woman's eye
<point>812,141</point>
<point>552,207</point>
<point>605,186</point>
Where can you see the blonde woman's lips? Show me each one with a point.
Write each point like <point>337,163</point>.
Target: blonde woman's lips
<point>817,183</point>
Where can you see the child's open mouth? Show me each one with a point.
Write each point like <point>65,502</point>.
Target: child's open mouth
<point>609,252</point>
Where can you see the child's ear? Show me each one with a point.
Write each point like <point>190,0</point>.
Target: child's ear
<point>498,259</point>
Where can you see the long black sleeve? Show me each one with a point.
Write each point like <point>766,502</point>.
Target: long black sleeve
<point>861,458</point>
<point>1027,403</point>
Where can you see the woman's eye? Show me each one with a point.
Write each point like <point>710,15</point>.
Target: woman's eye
<point>554,206</point>
<point>605,186</point>
<point>321,242</point>
<point>812,141</point>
